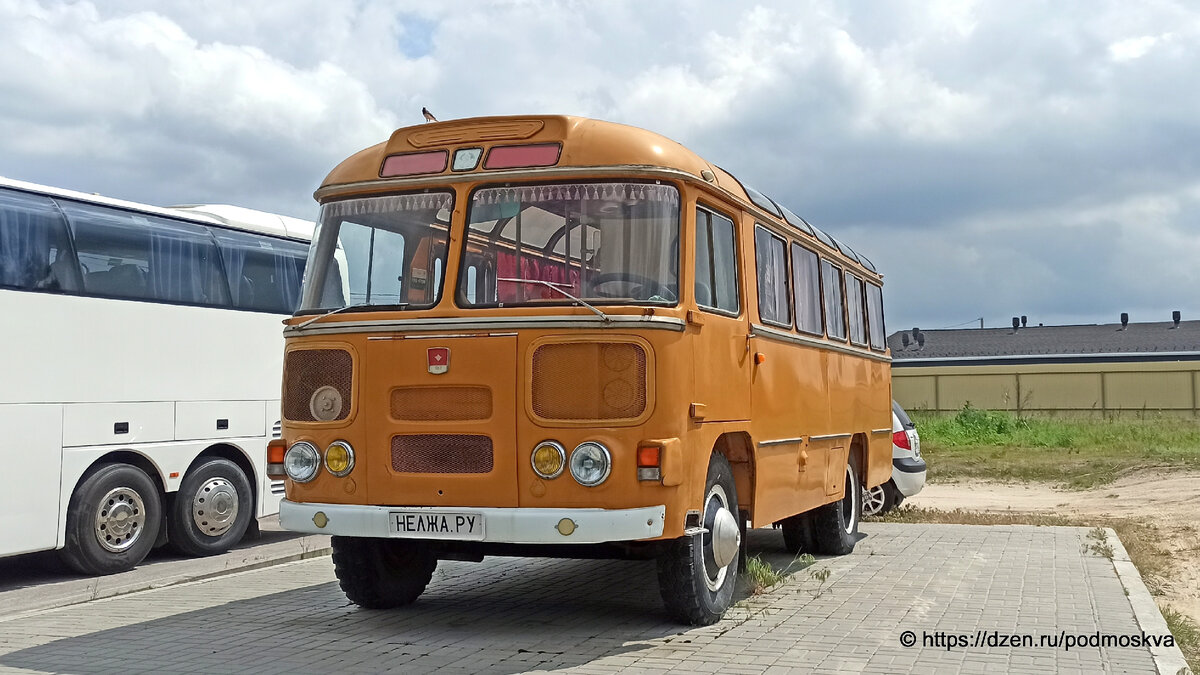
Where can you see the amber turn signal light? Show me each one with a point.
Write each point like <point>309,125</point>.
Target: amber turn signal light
<point>275,451</point>
<point>649,462</point>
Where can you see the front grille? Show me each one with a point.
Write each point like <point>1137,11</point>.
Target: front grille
<point>441,453</point>
<point>579,381</point>
<point>439,404</point>
<point>307,370</point>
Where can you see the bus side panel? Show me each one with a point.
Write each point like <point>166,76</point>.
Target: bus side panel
<point>879,461</point>
<point>32,455</point>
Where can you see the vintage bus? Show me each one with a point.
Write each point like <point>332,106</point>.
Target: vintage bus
<point>140,360</point>
<point>569,337</point>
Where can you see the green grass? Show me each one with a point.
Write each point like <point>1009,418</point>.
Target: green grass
<point>1078,453</point>
<point>1187,635</point>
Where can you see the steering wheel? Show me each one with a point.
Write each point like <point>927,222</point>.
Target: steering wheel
<point>643,287</point>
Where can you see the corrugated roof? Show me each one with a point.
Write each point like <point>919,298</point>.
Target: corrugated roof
<point>1052,342</point>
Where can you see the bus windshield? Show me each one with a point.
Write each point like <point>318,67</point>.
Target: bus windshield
<point>379,251</point>
<point>603,242</point>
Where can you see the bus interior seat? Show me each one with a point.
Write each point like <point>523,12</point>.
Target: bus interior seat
<point>124,279</point>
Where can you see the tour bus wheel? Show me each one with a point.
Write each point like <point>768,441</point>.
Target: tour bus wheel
<point>697,573</point>
<point>835,525</point>
<point>382,573</point>
<point>212,509</point>
<point>112,520</point>
<point>797,534</point>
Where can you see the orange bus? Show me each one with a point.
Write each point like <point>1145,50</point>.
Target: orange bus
<point>558,336</point>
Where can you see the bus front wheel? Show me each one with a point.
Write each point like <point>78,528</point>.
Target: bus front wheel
<point>697,573</point>
<point>112,520</point>
<point>212,509</point>
<point>382,573</point>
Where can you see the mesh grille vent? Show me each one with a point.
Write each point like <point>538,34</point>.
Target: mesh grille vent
<point>432,404</point>
<point>581,381</point>
<point>441,453</point>
<point>308,370</point>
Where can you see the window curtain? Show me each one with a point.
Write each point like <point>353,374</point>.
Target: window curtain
<point>24,248</point>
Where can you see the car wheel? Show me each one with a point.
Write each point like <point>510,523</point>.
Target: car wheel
<point>874,501</point>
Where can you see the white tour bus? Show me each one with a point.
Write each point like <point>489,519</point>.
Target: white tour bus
<point>141,358</point>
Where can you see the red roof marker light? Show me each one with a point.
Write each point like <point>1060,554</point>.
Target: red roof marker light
<point>522,156</point>
<point>412,163</point>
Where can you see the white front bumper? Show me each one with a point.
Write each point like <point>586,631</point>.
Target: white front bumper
<point>512,525</point>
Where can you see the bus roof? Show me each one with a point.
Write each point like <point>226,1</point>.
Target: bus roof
<point>585,143</point>
<point>234,217</point>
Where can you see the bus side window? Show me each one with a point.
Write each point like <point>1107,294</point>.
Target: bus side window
<point>831,289</point>
<point>716,262</point>
<point>854,306</point>
<point>774,289</point>
<point>35,253</point>
<point>806,278</point>
<point>876,330</point>
<point>144,257</point>
<point>264,273</point>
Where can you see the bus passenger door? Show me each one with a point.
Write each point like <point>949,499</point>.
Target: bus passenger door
<point>721,343</point>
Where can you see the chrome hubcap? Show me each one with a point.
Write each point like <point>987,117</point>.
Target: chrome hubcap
<point>120,519</point>
<point>722,540</point>
<point>215,507</point>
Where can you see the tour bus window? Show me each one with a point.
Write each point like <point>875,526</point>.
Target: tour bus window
<point>854,308</point>
<point>831,287</point>
<point>806,280</point>
<point>379,251</point>
<point>264,272</point>
<point>35,253</point>
<point>774,298</point>
<point>604,243</point>
<point>875,317</point>
<point>716,262</point>
<point>144,257</point>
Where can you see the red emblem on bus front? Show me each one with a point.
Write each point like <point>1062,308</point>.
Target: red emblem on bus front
<point>439,360</point>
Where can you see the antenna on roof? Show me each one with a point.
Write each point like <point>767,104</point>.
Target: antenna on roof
<point>904,340</point>
<point>920,337</point>
<point>1016,324</point>
<point>1124,320</point>
<point>1175,316</point>
<point>1024,321</point>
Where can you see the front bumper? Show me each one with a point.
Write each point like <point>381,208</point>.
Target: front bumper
<point>512,525</point>
<point>908,473</point>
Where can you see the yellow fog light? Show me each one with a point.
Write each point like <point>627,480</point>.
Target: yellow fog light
<point>339,458</point>
<point>549,458</point>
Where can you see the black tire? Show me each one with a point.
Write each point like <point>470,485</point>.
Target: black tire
<point>835,525</point>
<point>382,573</point>
<point>212,509</point>
<point>891,496</point>
<point>691,594</point>
<point>797,534</point>
<point>116,503</point>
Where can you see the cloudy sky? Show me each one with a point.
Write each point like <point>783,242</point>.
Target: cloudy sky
<point>993,158</point>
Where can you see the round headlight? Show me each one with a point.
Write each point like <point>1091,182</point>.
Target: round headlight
<point>301,462</point>
<point>590,463</point>
<point>339,458</point>
<point>548,459</point>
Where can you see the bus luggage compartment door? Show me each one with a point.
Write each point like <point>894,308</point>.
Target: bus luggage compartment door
<point>441,420</point>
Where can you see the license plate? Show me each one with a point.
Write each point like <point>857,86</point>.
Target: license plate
<point>436,525</point>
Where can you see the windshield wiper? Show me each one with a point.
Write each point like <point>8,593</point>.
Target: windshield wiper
<point>342,309</point>
<point>553,287</point>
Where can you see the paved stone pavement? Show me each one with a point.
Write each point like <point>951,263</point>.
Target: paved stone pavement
<point>519,615</point>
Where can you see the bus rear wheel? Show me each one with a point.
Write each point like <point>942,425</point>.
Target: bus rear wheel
<point>382,573</point>
<point>697,573</point>
<point>112,520</point>
<point>212,509</point>
<point>834,526</point>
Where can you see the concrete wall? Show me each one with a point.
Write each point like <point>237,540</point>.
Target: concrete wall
<point>1070,388</point>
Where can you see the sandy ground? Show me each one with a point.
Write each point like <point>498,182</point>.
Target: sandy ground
<point>1168,501</point>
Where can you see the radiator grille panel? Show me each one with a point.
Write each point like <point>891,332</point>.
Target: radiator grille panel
<point>580,381</point>
<point>430,404</point>
<point>308,370</point>
<point>441,453</point>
